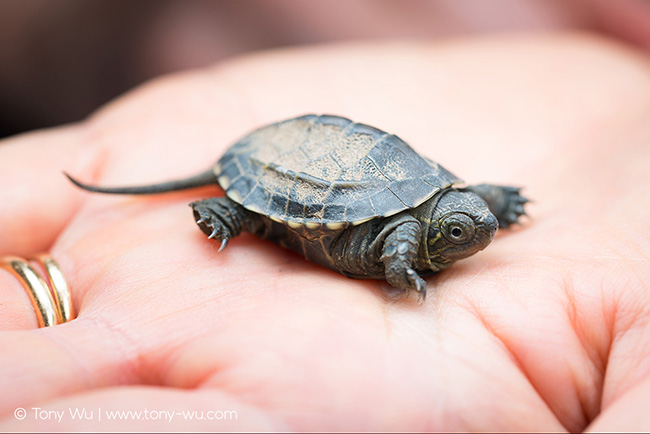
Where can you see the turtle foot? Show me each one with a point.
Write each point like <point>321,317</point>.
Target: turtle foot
<point>513,206</point>
<point>216,219</point>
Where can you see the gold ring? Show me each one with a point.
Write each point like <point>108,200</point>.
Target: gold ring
<point>53,303</point>
<point>58,285</point>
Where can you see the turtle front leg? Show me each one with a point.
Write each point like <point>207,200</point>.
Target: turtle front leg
<point>505,202</point>
<point>222,219</point>
<point>399,253</point>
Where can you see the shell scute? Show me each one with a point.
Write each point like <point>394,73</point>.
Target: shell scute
<point>327,169</point>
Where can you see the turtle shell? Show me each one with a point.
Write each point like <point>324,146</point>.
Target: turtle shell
<point>315,170</point>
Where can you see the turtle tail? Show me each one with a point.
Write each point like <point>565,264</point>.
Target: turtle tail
<point>206,178</point>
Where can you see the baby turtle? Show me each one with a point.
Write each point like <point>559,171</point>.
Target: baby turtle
<point>347,196</point>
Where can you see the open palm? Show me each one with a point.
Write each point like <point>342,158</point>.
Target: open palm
<point>547,329</point>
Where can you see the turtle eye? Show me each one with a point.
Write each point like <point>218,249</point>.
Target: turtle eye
<point>458,228</point>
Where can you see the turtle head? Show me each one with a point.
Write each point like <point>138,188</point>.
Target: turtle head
<point>461,225</point>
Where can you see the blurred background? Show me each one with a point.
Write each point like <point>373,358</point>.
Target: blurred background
<point>60,60</point>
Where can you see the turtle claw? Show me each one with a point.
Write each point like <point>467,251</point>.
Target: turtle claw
<point>214,233</point>
<point>224,243</point>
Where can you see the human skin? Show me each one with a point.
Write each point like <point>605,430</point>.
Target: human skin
<point>547,329</point>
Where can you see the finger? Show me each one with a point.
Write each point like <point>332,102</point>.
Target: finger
<point>36,201</point>
<point>16,310</point>
<point>628,413</point>
<point>38,365</point>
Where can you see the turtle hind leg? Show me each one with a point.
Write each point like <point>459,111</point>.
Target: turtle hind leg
<point>222,219</point>
<point>505,202</point>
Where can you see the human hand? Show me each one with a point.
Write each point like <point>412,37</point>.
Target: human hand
<point>544,330</point>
